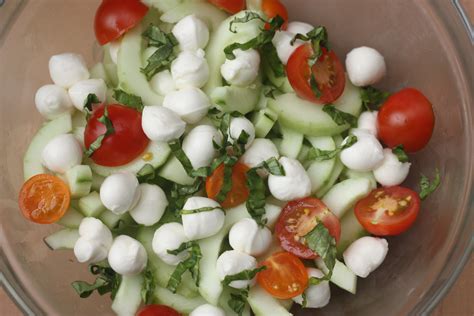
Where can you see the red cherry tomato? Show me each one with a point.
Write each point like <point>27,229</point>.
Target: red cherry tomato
<point>157,310</point>
<point>328,71</point>
<point>388,211</point>
<point>125,144</point>
<point>115,17</point>
<point>272,8</point>
<point>406,118</point>
<point>230,6</point>
<point>239,192</point>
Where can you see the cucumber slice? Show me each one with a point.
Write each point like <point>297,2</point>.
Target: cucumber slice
<point>224,304</point>
<point>352,174</point>
<point>239,99</point>
<point>79,179</point>
<point>72,218</point>
<point>344,195</point>
<point>78,119</point>
<point>263,121</point>
<point>32,164</point>
<point>111,219</point>
<point>351,230</point>
<point>320,171</point>
<point>98,72</point>
<point>180,303</point>
<point>292,142</point>
<point>281,83</point>
<point>342,276</point>
<point>97,181</point>
<point>174,171</point>
<point>263,304</point>
<point>128,297</point>
<point>110,67</point>
<point>163,5</point>
<point>91,205</point>
<point>336,172</point>
<point>62,239</point>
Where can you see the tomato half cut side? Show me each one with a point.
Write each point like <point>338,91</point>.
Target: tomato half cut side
<point>388,211</point>
<point>298,218</point>
<point>272,8</point>
<point>230,6</point>
<point>239,192</point>
<point>328,72</point>
<point>157,310</point>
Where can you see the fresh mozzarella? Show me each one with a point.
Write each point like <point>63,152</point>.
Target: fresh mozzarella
<point>272,212</point>
<point>282,42</point>
<point>365,255</point>
<point>365,66</point>
<point>127,256</point>
<point>365,155</point>
<point>162,83</point>
<point>191,33</point>
<point>162,124</point>
<point>202,224</point>
<point>317,296</point>
<point>80,90</point>
<point>151,205</point>
<point>261,150</point>
<point>368,121</point>
<point>114,47</point>
<point>67,69</point>
<point>169,237</point>
<point>190,69</point>
<point>233,262</point>
<point>119,192</point>
<point>190,103</point>
<point>299,27</point>
<point>93,228</point>
<point>237,126</point>
<point>207,310</point>
<point>94,242</point>
<point>52,101</point>
<point>293,185</point>
<point>198,145</point>
<point>62,153</point>
<point>246,236</point>
<point>243,69</point>
<point>391,171</point>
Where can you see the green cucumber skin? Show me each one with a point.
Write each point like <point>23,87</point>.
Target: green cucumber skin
<point>91,205</point>
<point>63,239</point>
<point>128,297</point>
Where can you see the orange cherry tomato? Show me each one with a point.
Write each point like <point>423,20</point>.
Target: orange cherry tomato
<point>272,8</point>
<point>239,192</point>
<point>44,199</point>
<point>285,276</point>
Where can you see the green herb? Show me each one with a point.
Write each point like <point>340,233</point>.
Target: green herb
<point>191,264</point>
<point>273,61</point>
<point>427,187</point>
<point>400,153</point>
<point>238,301</point>
<point>104,119</point>
<point>305,300</point>
<point>156,37</point>
<point>130,100</point>
<point>89,102</point>
<point>148,287</point>
<point>372,97</point>
<point>179,153</point>
<point>321,242</point>
<point>249,16</point>
<point>199,210</point>
<point>316,154</point>
<point>244,275</point>
<point>338,116</point>
<point>227,182</point>
<point>108,281</point>
<point>272,166</point>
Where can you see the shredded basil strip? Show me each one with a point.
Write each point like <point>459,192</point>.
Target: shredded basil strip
<point>400,153</point>
<point>272,60</point>
<point>199,210</point>
<point>108,281</point>
<point>427,187</point>
<point>238,301</point>
<point>179,153</point>
<point>191,264</point>
<point>130,100</point>
<point>104,119</point>
<point>338,116</point>
<point>89,102</point>
<point>227,182</point>
<point>244,275</point>
<point>148,287</point>
<point>372,97</point>
<point>321,242</point>
<point>316,154</point>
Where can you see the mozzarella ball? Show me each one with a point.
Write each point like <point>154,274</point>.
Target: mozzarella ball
<point>190,69</point>
<point>368,121</point>
<point>151,205</point>
<point>365,255</point>
<point>62,153</point>
<point>161,124</point>
<point>261,150</point>
<point>391,171</point>
<point>198,145</point>
<point>239,124</point>
<point>282,42</point>
<point>202,224</point>
<point>365,155</point>
<point>93,228</point>
<point>162,83</point>
<point>243,70</point>
<point>246,236</point>
<point>272,213</point>
<point>127,256</point>
<point>169,237</point>
<point>365,66</point>
<point>114,47</point>
<point>95,240</point>
<point>207,310</point>
<point>67,69</point>
<point>191,33</point>
<point>119,192</point>
<point>317,296</point>
<point>232,262</point>
<point>52,101</point>
<point>80,90</point>
<point>190,103</point>
<point>293,185</point>
<point>299,27</point>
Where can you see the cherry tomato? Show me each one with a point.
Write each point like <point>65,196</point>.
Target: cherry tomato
<point>157,310</point>
<point>272,8</point>
<point>388,211</point>
<point>44,199</point>
<point>285,276</point>
<point>406,118</point>
<point>115,17</point>
<point>328,71</point>
<point>230,6</point>
<point>298,218</point>
<point>239,192</point>
<point>125,144</point>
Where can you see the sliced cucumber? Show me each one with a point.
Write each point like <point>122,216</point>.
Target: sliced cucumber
<point>320,171</point>
<point>111,219</point>
<point>336,172</point>
<point>72,218</point>
<point>180,303</point>
<point>263,304</point>
<point>98,72</point>
<point>224,304</point>
<point>97,181</point>
<point>79,179</point>
<point>237,99</point>
<point>91,205</point>
<point>263,121</point>
<point>128,297</point>
<point>342,276</point>
<point>281,83</point>
<point>351,230</point>
<point>110,67</point>
<point>291,143</point>
<point>352,174</point>
<point>163,5</point>
<point>78,133</point>
<point>32,164</point>
<point>344,195</point>
<point>78,119</point>
<point>174,171</point>
<point>62,239</point>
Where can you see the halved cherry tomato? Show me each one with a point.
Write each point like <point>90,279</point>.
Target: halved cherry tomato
<point>285,276</point>
<point>230,6</point>
<point>328,72</point>
<point>115,17</point>
<point>298,218</point>
<point>125,144</point>
<point>239,192</point>
<point>406,118</point>
<point>157,310</point>
<point>44,199</point>
<point>388,211</point>
<point>272,8</point>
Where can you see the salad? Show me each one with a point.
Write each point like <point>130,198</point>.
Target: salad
<point>222,160</point>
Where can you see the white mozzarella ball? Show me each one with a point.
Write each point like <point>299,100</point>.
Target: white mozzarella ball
<point>202,224</point>
<point>239,124</point>
<point>161,124</point>
<point>114,47</point>
<point>246,236</point>
<point>282,42</point>
<point>95,240</point>
<point>93,228</point>
<point>243,70</point>
<point>365,155</point>
<point>151,205</point>
<point>191,33</point>
<point>67,69</point>
<point>169,237</point>
<point>233,262</point>
<point>198,145</point>
<point>52,101</point>
<point>317,296</point>
<point>190,69</point>
<point>293,185</point>
<point>80,90</point>
<point>391,171</point>
<point>261,150</point>
<point>127,256</point>
<point>190,103</point>
<point>365,66</point>
<point>119,192</point>
<point>368,121</point>
<point>299,27</point>
<point>162,83</point>
<point>365,255</point>
<point>62,153</point>
<point>207,310</point>
<point>272,213</point>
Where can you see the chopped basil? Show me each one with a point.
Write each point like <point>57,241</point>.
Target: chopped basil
<point>238,301</point>
<point>179,153</point>
<point>104,119</point>
<point>227,182</point>
<point>89,102</point>
<point>317,154</point>
<point>338,116</point>
<point>244,275</point>
<point>427,187</point>
<point>400,153</point>
<point>271,58</point>
<point>156,37</point>
<point>321,242</point>
<point>199,210</point>
<point>273,166</point>
<point>130,100</point>
<point>249,16</point>
<point>108,281</point>
<point>191,264</point>
<point>148,287</point>
<point>372,97</point>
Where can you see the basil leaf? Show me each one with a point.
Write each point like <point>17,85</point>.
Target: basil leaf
<point>273,166</point>
<point>321,242</point>
<point>227,181</point>
<point>238,301</point>
<point>400,153</point>
<point>104,119</point>
<point>191,264</point>
<point>179,153</point>
<point>89,102</point>
<point>148,287</point>
<point>249,16</point>
<point>338,116</point>
<point>316,154</point>
<point>198,210</point>
<point>129,100</point>
<point>305,300</point>
<point>372,97</point>
<point>244,275</point>
<point>156,37</point>
<point>427,187</point>
<point>271,58</point>
<point>108,281</point>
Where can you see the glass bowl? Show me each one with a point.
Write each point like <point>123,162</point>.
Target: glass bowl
<point>427,45</point>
